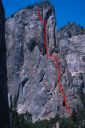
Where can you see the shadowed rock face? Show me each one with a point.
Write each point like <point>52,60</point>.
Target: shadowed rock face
<point>4,118</point>
<point>31,75</point>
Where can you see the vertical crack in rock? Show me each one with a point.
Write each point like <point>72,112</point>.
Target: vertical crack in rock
<point>32,45</point>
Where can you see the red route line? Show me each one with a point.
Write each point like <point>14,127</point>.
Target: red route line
<point>56,61</point>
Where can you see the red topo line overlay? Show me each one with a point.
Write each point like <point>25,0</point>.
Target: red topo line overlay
<point>56,61</point>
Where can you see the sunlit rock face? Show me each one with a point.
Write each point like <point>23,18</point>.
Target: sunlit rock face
<point>32,78</point>
<point>4,118</point>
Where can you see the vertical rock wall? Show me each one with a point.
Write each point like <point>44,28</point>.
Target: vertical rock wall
<point>32,78</point>
<point>30,73</point>
<point>4,118</point>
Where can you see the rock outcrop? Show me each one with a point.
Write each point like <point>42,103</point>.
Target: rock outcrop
<point>32,78</point>
<point>4,118</point>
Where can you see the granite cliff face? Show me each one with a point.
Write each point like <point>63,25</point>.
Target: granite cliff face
<point>32,78</point>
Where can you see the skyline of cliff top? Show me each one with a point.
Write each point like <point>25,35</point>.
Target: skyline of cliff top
<point>66,11</point>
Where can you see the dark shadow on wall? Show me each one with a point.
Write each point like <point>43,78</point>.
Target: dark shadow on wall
<point>4,111</point>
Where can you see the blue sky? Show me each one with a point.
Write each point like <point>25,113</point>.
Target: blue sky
<point>66,10</point>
